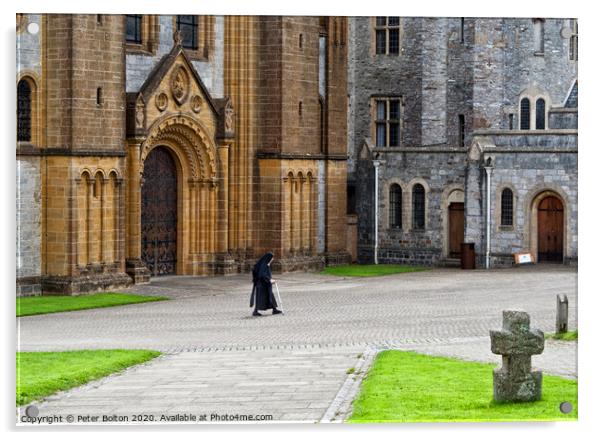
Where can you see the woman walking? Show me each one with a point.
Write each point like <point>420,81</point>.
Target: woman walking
<point>262,295</point>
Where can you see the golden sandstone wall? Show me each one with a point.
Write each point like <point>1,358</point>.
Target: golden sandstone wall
<point>82,153</point>
<point>263,168</point>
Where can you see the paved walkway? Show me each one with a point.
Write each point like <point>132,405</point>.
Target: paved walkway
<point>221,360</point>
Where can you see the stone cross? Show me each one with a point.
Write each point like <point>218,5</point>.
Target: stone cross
<point>562,314</point>
<point>516,342</point>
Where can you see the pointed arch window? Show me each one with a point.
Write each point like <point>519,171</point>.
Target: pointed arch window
<point>395,206</point>
<point>418,207</point>
<point>525,114</point>
<point>507,207</point>
<point>23,111</point>
<point>540,114</point>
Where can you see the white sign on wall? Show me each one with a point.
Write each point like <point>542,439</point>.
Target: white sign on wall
<point>523,258</point>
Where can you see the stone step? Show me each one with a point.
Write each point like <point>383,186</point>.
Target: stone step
<point>449,262</point>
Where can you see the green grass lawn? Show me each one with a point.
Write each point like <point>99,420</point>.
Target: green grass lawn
<point>370,270</point>
<point>568,336</point>
<point>37,305</point>
<point>40,374</point>
<point>411,387</point>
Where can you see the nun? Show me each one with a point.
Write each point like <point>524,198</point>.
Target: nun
<point>261,295</point>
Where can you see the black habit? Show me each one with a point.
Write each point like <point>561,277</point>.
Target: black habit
<point>262,294</point>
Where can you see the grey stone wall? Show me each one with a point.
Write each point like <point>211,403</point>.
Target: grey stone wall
<point>139,66</point>
<point>552,71</point>
<point>439,170</point>
<point>28,47</point>
<point>392,75</point>
<point>528,175</point>
<point>28,201</point>
<point>460,81</point>
<point>567,119</point>
<point>481,76</point>
<point>28,196</point>
<point>434,81</point>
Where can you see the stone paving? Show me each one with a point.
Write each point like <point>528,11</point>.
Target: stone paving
<point>221,360</point>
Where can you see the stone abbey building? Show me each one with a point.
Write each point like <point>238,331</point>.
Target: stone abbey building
<point>187,144</point>
<point>463,130</point>
<point>151,145</point>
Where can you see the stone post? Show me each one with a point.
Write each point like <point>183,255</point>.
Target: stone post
<point>562,314</point>
<point>516,342</point>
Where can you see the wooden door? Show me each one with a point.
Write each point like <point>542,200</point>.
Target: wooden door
<point>455,228</point>
<point>550,221</point>
<point>159,212</point>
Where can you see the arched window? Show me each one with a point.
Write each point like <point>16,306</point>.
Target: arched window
<point>540,114</point>
<point>395,206</point>
<point>418,205</point>
<point>24,111</point>
<point>525,114</point>
<point>507,207</point>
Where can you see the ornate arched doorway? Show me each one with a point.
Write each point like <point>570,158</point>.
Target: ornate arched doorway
<point>550,225</point>
<point>159,213</point>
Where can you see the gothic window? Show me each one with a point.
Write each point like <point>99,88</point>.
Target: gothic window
<point>133,29</point>
<point>462,23</point>
<point>188,27</point>
<point>507,208</point>
<point>573,42</point>
<point>511,121</point>
<point>387,35</point>
<point>461,130</point>
<point>387,122</point>
<point>525,114</point>
<point>540,114</point>
<point>418,206</point>
<point>23,111</point>
<point>395,206</point>
<point>538,38</point>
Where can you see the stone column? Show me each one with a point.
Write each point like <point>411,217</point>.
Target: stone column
<point>296,214</point>
<point>103,219</point>
<point>286,215</point>
<point>89,197</point>
<point>119,223</point>
<point>191,216</point>
<point>222,205</point>
<point>134,265</point>
<point>212,217</point>
<point>203,217</point>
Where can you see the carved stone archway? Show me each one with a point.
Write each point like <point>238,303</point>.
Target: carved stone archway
<point>174,110</point>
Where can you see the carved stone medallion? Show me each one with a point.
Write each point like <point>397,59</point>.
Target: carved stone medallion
<point>229,118</point>
<point>196,103</point>
<point>161,101</point>
<point>180,84</point>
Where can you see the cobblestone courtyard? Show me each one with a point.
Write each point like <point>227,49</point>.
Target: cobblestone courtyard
<point>221,360</point>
